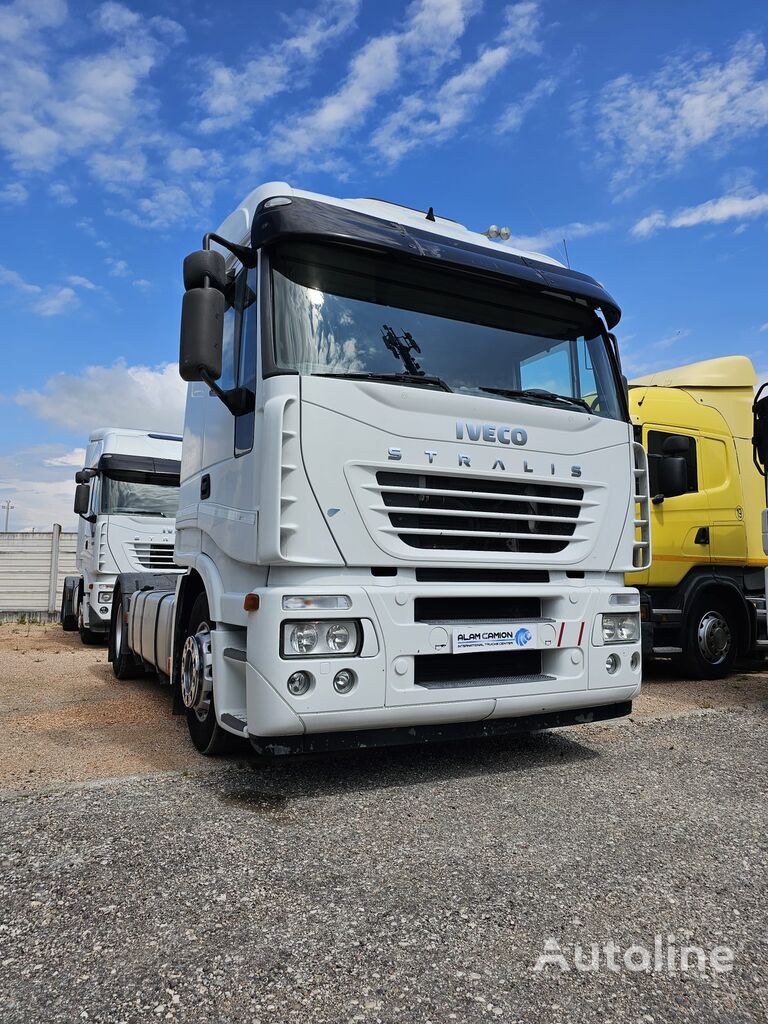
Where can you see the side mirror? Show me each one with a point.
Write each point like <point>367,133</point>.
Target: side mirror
<point>202,334</point>
<point>673,476</point>
<point>677,444</point>
<point>760,431</point>
<point>84,475</point>
<point>82,499</point>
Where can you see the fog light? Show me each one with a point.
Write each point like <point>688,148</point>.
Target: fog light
<point>104,595</point>
<point>612,663</point>
<point>634,661</point>
<point>103,610</point>
<point>337,637</point>
<point>304,637</point>
<point>299,683</point>
<point>344,681</point>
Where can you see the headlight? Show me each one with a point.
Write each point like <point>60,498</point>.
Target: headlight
<point>320,638</point>
<point>104,595</point>
<point>304,637</point>
<point>621,629</point>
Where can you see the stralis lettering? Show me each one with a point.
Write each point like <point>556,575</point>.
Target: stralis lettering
<point>464,461</point>
<point>490,432</point>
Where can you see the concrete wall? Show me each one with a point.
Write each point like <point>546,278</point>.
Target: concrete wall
<point>32,571</point>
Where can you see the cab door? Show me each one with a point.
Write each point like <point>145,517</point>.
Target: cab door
<point>680,523</point>
<point>728,534</point>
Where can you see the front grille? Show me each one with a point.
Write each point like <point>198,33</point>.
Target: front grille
<point>482,576</point>
<point>488,668</point>
<point>154,556</point>
<point>476,609</point>
<point>451,513</point>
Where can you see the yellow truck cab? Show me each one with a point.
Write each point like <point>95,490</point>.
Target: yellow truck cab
<point>703,597</point>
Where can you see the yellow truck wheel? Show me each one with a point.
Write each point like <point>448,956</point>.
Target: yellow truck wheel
<point>710,639</point>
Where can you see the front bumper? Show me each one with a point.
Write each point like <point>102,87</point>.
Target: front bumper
<point>389,692</point>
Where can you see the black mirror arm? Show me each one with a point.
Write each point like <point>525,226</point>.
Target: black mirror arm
<point>247,256</point>
<point>238,400</point>
<point>658,499</point>
<point>88,518</point>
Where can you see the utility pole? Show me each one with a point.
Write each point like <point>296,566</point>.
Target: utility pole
<point>7,506</point>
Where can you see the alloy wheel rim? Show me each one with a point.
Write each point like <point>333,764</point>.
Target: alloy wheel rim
<point>714,638</point>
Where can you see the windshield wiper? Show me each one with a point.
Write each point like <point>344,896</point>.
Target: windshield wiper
<point>136,512</point>
<point>538,395</point>
<point>425,380</point>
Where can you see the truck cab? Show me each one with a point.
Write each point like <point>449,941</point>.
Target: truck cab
<point>126,498</point>
<point>703,598</point>
<point>409,487</point>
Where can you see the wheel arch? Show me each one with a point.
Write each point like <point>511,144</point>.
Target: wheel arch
<point>713,586</point>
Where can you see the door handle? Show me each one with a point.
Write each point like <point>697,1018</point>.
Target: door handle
<point>702,535</point>
<point>205,487</point>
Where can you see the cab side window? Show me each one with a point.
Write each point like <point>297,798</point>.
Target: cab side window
<point>228,353</point>
<point>663,445</point>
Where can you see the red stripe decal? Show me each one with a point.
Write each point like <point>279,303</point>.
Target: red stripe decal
<point>560,637</point>
<point>581,634</point>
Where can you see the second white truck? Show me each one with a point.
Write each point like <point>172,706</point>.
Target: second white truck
<point>409,487</point>
<point>126,497</point>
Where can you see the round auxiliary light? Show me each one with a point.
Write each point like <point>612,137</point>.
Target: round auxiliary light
<point>612,663</point>
<point>504,233</point>
<point>493,231</point>
<point>344,681</point>
<point>337,636</point>
<point>634,661</point>
<point>103,609</point>
<point>299,683</point>
<point>304,637</point>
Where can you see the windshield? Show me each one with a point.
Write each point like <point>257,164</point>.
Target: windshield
<point>148,494</point>
<point>344,313</point>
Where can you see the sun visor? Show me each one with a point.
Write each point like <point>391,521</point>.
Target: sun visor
<point>118,464</point>
<point>303,219</point>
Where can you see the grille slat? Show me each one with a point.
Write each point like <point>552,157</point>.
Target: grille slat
<point>154,556</point>
<point>442,512</point>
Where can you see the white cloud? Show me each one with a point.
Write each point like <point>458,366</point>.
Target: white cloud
<point>61,194</point>
<point>184,159</point>
<point>232,93</point>
<point>142,284</point>
<point>14,194</point>
<point>514,115</point>
<point>673,338</point>
<point>551,238</point>
<point>714,211</point>
<point>56,301</point>
<point>145,397</point>
<point>434,115</point>
<point>117,268</point>
<point>82,282</point>
<point>14,280</point>
<point>650,126</point>
<point>426,39</point>
<point>74,457</point>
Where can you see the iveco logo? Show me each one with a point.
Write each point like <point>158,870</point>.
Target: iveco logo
<point>490,432</point>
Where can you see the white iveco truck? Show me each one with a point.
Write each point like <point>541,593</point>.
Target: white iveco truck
<point>409,488</point>
<point>126,496</point>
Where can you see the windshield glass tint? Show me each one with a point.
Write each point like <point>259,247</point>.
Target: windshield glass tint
<point>343,312</point>
<point>140,494</point>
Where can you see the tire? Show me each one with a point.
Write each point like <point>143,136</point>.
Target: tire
<point>206,733</point>
<point>710,640</point>
<point>68,619</point>
<point>125,664</point>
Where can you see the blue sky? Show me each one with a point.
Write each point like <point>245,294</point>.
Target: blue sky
<point>639,132</point>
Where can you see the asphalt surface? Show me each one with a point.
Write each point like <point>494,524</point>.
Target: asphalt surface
<point>407,885</point>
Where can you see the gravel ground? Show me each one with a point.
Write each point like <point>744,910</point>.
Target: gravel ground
<point>139,882</point>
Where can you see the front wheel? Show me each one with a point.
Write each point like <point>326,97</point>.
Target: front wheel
<point>710,641</point>
<point>196,680</point>
<point>67,617</point>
